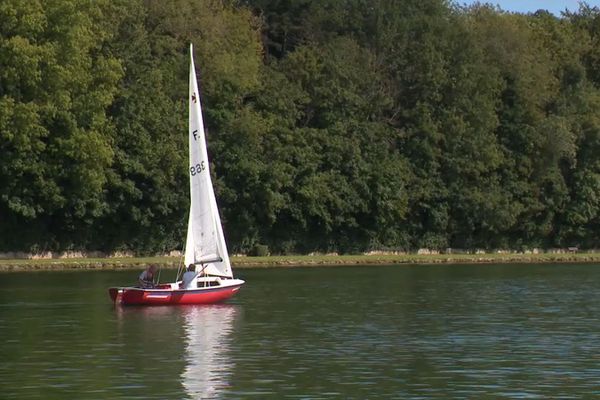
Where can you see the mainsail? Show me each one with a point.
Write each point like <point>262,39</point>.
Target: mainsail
<point>205,243</point>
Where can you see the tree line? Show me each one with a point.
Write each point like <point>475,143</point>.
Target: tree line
<point>332,126</point>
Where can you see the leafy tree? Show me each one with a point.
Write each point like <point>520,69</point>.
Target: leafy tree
<point>55,85</point>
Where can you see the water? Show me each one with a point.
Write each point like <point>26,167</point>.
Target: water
<point>399,332</point>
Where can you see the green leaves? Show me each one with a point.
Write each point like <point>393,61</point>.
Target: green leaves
<point>331,126</point>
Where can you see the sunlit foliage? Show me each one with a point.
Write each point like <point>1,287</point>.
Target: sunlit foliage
<point>332,126</point>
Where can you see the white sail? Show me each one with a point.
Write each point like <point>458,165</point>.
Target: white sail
<point>205,243</point>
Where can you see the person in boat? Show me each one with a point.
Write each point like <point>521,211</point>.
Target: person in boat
<point>146,278</point>
<point>189,278</point>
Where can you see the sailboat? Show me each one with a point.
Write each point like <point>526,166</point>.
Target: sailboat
<point>205,247</point>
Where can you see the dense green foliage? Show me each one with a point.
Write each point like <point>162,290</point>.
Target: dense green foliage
<point>332,126</point>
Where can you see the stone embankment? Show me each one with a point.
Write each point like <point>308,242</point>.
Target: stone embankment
<point>97,261</point>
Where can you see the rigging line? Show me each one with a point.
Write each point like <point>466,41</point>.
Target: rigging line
<point>160,268</point>
<point>180,267</point>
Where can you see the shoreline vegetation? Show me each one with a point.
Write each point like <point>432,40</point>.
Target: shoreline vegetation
<point>241,262</point>
<point>334,126</point>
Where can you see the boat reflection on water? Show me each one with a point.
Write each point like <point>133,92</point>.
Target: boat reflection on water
<point>208,330</point>
<point>191,341</point>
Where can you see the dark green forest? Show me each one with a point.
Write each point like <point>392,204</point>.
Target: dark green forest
<point>332,125</point>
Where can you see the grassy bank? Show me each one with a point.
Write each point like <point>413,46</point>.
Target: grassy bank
<point>290,261</point>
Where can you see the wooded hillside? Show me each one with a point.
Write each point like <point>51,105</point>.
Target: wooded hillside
<point>332,126</point>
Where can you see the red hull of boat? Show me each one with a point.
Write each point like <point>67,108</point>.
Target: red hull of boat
<point>138,296</point>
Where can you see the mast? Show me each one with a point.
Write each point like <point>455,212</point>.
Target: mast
<point>205,242</point>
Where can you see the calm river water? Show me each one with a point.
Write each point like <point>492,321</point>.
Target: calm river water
<point>398,332</point>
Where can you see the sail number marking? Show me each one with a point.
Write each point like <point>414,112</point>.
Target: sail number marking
<point>196,169</point>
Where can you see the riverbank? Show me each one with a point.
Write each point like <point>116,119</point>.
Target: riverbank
<point>298,261</point>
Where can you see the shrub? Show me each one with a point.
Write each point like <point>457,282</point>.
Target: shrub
<point>259,250</point>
